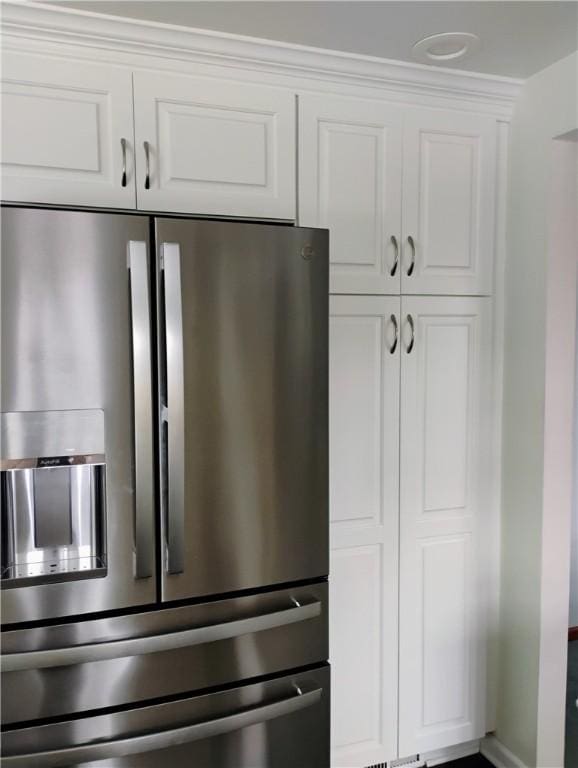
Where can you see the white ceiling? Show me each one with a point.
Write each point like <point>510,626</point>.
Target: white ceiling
<point>517,38</point>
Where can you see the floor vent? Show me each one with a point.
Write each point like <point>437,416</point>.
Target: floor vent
<point>405,762</point>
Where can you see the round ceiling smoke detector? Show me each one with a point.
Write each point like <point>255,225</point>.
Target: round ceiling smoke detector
<point>446,47</point>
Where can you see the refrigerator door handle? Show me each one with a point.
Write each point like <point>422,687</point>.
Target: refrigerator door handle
<point>168,641</point>
<point>175,412</point>
<point>143,416</point>
<point>148,742</point>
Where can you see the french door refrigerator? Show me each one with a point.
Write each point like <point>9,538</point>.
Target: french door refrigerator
<point>164,492</point>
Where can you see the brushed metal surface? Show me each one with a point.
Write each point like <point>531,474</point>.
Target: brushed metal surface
<point>254,322</point>
<point>138,265</point>
<point>66,345</point>
<point>225,640</point>
<point>166,641</point>
<point>282,723</point>
<point>35,434</point>
<point>174,472</point>
<point>168,738</point>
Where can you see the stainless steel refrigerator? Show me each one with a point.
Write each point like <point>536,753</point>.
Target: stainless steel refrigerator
<point>164,492</point>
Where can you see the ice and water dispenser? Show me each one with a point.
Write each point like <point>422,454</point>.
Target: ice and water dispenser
<point>53,492</point>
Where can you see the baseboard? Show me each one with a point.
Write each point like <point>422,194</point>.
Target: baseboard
<point>573,633</point>
<point>499,755</point>
<point>441,756</point>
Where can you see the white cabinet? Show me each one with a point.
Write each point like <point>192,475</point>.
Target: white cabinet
<point>364,472</point>
<point>72,134</point>
<point>214,147</point>
<point>407,486</point>
<point>449,169</point>
<point>442,485</point>
<point>350,182</point>
<point>399,185</point>
<point>62,131</point>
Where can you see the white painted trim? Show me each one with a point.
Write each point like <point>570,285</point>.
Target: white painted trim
<point>98,31</point>
<point>499,755</point>
<point>493,530</point>
<point>441,756</point>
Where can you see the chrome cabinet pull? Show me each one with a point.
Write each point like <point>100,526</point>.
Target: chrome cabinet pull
<point>143,417</point>
<point>123,147</point>
<point>393,270</point>
<point>395,330</point>
<point>146,146</point>
<point>168,641</point>
<point>412,328</point>
<point>174,472</point>
<point>411,243</point>
<point>166,738</point>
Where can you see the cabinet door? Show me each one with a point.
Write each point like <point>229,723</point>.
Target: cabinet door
<point>442,482</point>
<point>448,202</point>
<point>364,482</point>
<point>63,123</point>
<point>350,183</point>
<point>215,147</point>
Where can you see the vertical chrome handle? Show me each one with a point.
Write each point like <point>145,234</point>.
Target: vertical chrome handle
<point>393,270</point>
<point>146,146</point>
<point>395,330</point>
<point>175,411</point>
<point>412,328</point>
<point>123,147</point>
<point>411,243</point>
<point>143,416</point>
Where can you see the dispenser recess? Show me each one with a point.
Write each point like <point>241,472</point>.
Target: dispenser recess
<point>53,488</point>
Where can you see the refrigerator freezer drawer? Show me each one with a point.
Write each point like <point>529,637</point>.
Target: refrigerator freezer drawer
<point>281,723</point>
<point>71,668</point>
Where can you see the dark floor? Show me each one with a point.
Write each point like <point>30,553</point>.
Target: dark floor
<point>571,758</point>
<point>474,761</point>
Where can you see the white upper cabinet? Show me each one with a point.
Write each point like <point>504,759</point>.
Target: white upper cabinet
<point>449,170</point>
<point>364,485</point>
<point>67,132</point>
<point>214,147</point>
<point>350,182</point>
<point>444,384</point>
<point>407,193</point>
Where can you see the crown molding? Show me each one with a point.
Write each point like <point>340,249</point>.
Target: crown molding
<point>59,24</point>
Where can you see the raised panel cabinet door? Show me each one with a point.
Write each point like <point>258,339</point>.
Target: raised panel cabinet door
<point>67,132</point>
<point>364,353</point>
<point>443,486</point>
<point>449,182</point>
<point>214,147</point>
<point>350,183</point>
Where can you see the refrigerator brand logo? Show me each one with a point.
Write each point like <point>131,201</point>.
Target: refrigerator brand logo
<point>307,252</point>
<point>53,461</point>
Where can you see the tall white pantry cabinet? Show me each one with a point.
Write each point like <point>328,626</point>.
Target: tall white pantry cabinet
<point>405,166</point>
<point>409,195</point>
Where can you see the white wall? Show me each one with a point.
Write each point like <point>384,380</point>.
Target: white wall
<point>546,109</point>
<point>558,450</point>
